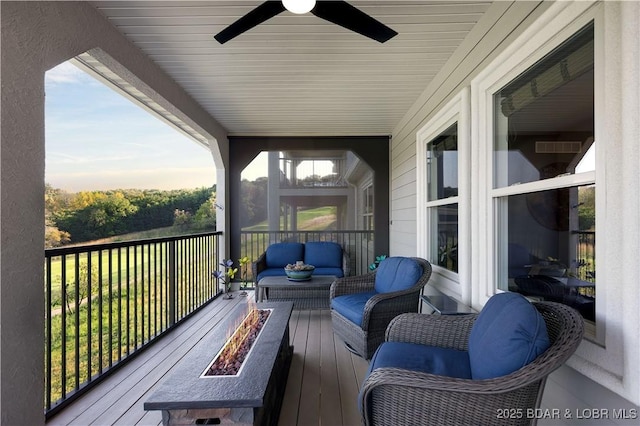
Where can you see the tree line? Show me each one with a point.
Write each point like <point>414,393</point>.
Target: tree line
<point>72,218</point>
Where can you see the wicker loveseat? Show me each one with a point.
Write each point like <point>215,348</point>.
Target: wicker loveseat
<point>409,396</point>
<point>362,306</point>
<point>327,257</point>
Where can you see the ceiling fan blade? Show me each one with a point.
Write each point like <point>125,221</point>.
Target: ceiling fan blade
<point>347,16</point>
<point>265,11</point>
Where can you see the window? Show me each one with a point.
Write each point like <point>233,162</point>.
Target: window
<point>367,211</point>
<point>544,177</point>
<point>442,196</point>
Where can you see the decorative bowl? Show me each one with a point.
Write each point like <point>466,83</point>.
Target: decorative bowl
<point>299,272</point>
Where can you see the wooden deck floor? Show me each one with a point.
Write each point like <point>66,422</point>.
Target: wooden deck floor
<point>322,388</point>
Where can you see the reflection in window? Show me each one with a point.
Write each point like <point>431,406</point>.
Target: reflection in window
<point>544,119</point>
<point>444,250</point>
<point>442,165</point>
<point>551,246</point>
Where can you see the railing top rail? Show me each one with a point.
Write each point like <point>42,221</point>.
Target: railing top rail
<point>60,251</point>
<point>308,232</point>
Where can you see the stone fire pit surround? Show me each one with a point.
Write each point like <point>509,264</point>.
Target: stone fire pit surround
<point>253,397</point>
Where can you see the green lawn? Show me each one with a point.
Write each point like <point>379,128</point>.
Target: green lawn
<point>305,220</point>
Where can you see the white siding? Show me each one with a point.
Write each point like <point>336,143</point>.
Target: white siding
<point>599,372</point>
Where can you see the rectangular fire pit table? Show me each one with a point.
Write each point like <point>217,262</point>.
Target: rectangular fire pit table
<point>252,397</point>
<point>310,294</point>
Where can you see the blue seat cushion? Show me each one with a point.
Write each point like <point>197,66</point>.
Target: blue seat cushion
<point>271,272</point>
<point>423,358</point>
<point>279,255</point>
<point>351,306</point>
<point>329,271</point>
<point>397,274</point>
<point>508,334</point>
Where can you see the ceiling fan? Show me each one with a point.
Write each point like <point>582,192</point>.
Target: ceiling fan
<point>337,12</point>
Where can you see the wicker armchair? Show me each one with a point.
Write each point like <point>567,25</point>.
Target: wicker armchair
<point>403,397</point>
<point>365,337</point>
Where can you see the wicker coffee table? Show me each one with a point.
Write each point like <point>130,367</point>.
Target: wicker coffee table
<point>310,294</point>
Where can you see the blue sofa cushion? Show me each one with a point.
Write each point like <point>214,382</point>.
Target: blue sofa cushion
<point>329,271</point>
<point>351,306</point>
<point>323,254</point>
<point>396,274</point>
<point>508,334</point>
<point>279,255</point>
<point>271,272</point>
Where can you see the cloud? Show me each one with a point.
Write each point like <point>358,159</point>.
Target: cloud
<point>150,178</point>
<point>65,73</point>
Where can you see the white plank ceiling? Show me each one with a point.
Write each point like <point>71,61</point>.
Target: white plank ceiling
<point>297,74</point>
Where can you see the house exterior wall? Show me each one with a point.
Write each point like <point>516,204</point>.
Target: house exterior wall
<point>37,36</point>
<point>612,361</point>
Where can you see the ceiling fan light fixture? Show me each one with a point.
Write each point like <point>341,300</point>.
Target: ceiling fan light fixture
<point>299,7</point>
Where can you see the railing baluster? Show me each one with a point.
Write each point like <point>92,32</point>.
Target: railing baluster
<point>63,327</point>
<point>119,304</point>
<point>100,314</point>
<point>48,337</point>
<point>142,299</point>
<point>76,324</point>
<point>171,293</point>
<point>135,298</point>
<point>149,294</point>
<point>89,314</point>
<point>110,320</point>
<point>128,317</point>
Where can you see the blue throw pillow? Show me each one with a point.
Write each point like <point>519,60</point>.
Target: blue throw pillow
<point>280,255</point>
<point>396,274</point>
<point>323,254</point>
<point>508,334</point>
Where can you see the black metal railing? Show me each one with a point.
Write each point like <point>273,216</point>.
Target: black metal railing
<point>586,260</point>
<point>106,302</point>
<point>357,244</point>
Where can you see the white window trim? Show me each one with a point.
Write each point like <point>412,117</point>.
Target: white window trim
<point>606,360</point>
<point>456,110</point>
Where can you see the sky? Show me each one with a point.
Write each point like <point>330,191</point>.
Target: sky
<point>96,139</point>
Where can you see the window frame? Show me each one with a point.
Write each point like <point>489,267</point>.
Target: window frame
<point>457,110</point>
<point>523,55</point>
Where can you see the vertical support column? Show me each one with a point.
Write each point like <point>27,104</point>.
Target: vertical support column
<point>273,192</point>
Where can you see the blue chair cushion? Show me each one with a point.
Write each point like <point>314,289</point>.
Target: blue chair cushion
<point>426,359</point>
<point>396,274</point>
<point>323,254</point>
<point>351,306</point>
<point>329,271</point>
<point>508,334</point>
<point>279,255</point>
